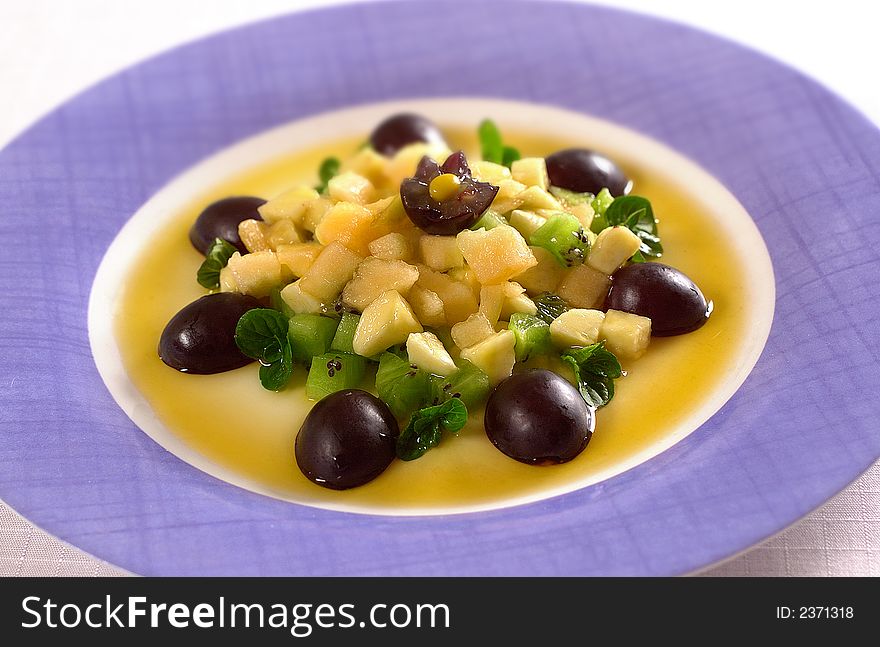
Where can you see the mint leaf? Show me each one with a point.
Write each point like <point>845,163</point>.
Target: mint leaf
<point>327,171</point>
<point>492,147</point>
<point>276,375</point>
<point>509,156</point>
<point>595,369</point>
<point>550,306</point>
<point>261,334</point>
<point>635,213</point>
<point>215,260</point>
<point>426,427</point>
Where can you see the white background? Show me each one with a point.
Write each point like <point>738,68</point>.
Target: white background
<point>50,50</point>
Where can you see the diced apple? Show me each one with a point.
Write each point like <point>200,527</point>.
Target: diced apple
<point>458,299</point>
<point>584,213</point>
<point>368,163</point>
<point>576,327</point>
<point>331,270</point>
<point>495,255</point>
<point>290,205</point>
<point>387,321</point>
<point>427,352</point>
<point>466,275</point>
<point>508,197</point>
<point>537,198</point>
<point>491,301</point>
<point>612,248</point>
<point>255,273</point>
<point>490,172</point>
<point>494,355</point>
<point>526,222</point>
<point>375,276</point>
<point>531,171</point>
<point>301,302</point>
<point>227,279</point>
<point>583,287</point>
<point>391,247</point>
<point>314,213</point>
<point>345,222</point>
<point>298,258</point>
<point>543,277</point>
<point>515,300</point>
<point>440,253</point>
<point>427,306</point>
<point>282,232</point>
<point>626,335</point>
<point>472,330</point>
<point>254,235</point>
<point>351,187</point>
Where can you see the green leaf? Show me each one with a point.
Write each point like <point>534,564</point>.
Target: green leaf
<point>635,213</point>
<point>215,260</point>
<point>261,334</point>
<point>550,306</point>
<point>600,205</point>
<point>510,155</point>
<point>595,369</point>
<point>276,375</point>
<point>426,427</point>
<point>327,171</point>
<point>492,147</point>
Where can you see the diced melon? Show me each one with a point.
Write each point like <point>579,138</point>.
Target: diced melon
<point>387,321</point>
<point>583,287</point>
<point>495,255</point>
<point>351,187</point>
<point>494,355</point>
<point>227,279</point>
<point>491,301</point>
<point>612,248</point>
<point>584,213</point>
<point>466,275</point>
<point>427,306</point>
<point>472,330</point>
<point>576,327</point>
<point>428,353</point>
<point>345,222</point>
<point>508,197</point>
<point>626,335</point>
<point>543,277</point>
<point>375,276</point>
<point>515,300</point>
<point>290,205</point>
<point>458,299</point>
<point>531,171</point>
<point>255,273</point>
<point>368,163</point>
<point>298,258</point>
<point>526,222</point>
<point>440,253</point>
<point>535,197</point>
<point>314,213</point>
<point>331,270</point>
<point>301,302</point>
<point>391,247</point>
<point>282,232</point>
<point>254,235</point>
<point>489,172</point>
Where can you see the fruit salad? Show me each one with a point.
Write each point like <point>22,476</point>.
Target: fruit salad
<point>416,287</point>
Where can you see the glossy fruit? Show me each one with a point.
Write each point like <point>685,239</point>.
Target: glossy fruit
<point>347,439</point>
<point>399,130</point>
<point>220,220</point>
<point>459,210</point>
<point>671,300</point>
<point>585,171</point>
<point>538,417</point>
<point>201,337</point>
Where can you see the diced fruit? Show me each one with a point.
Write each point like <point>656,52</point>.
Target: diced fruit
<point>577,327</point>
<point>301,302</point>
<point>255,274</point>
<point>427,306</point>
<point>458,299</point>
<point>583,287</point>
<point>375,276</point>
<point>472,330</point>
<point>310,335</point>
<point>489,172</point>
<point>526,222</point>
<point>494,355</point>
<point>532,335</point>
<point>427,352</point>
<point>543,277</point>
<point>626,335</point>
<point>403,387</point>
<point>344,336</point>
<point>495,255</point>
<point>386,321</point>
<point>407,158</point>
<point>334,267</point>
<point>570,198</point>
<point>334,372</point>
<point>491,301</point>
<point>537,198</point>
<point>347,223</point>
<point>351,187</point>
<point>531,171</point>
<point>584,213</point>
<point>227,280</point>
<point>563,236</point>
<point>489,220</point>
<point>391,247</point>
<point>468,383</point>
<point>612,248</point>
<point>440,253</point>
<point>508,196</point>
<point>254,235</point>
<point>314,213</point>
<point>515,301</point>
<point>282,232</point>
<point>298,258</point>
<point>369,163</point>
<point>290,205</point>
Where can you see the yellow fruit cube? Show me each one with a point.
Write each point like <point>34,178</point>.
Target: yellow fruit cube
<point>495,255</point>
<point>391,247</point>
<point>440,253</point>
<point>255,273</point>
<point>227,279</point>
<point>331,270</point>
<point>534,197</point>
<point>254,235</point>
<point>458,299</point>
<point>368,163</point>
<point>314,213</point>
<point>492,300</point>
<point>543,277</point>
<point>490,172</point>
<point>351,187</point>
<point>584,213</point>
<point>612,248</point>
<point>290,205</point>
<point>515,300</point>
<point>526,222</point>
<point>626,335</point>
<point>375,276</point>
<point>427,352</point>
<point>494,355</point>
<point>531,171</point>
<point>472,330</point>
<point>466,275</point>
<point>584,287</point>
<point>427,306</point>
<point>508,197</point>
<point>282,232</point>
<point>576,327</point>
<point>298,258</point>
<point>301,302</point>
<point>345,222</point>
<point>387,321</point>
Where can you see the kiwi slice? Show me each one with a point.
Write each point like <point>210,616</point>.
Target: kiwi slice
<point>344,336</point>
<point>532,335</point>
<point>402,386</point>
<point>310,335</point>
<point>334,372</point>
<point>468,383</point>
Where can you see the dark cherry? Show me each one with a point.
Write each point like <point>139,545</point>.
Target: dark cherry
<point>201,337</point>
<point>346,440</point>
<point>454,214</point>
<point>667,296</point>
<point>585,171</point>
<point>538,417</point>
<point>220,220</point>
<point>400,130</point>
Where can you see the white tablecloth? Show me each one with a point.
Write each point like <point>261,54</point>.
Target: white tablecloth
<point>49,50</point>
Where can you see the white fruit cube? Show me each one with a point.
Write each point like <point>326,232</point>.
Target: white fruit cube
<point>515,300</point>
<point>428,306</point>
<point>301,302</point>
<point>351,187</point>
<point>491,301</point>
<point>472,330</point>
<point>426,351</point>
<point>256,273</point>
<point>576,327</point>
<point>495,255</point>
<point>583,287</point>
<point>375,276</point>
<point>626,335</point>
<point>531,171</point>
<point>612,248</point>
<point>490,172</point>
<point>494,355</point>
<point>458,299</point>
<point>332,269</point>
<point>440,253</point>
<point>391,247</point>
<point>290,205</point>
<point>254,234</point>
<point>387,321</point>
<point>543,277</point>
<point>508,196</point>
<point>535,197</point>
<point>282,232</point>
<point>526,222</point>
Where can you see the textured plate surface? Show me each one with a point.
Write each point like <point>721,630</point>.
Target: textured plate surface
<point>804,164</point>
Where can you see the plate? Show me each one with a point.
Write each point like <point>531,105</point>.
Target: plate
<point>804,164</point>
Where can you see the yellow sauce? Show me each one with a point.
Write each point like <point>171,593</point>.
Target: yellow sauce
<point>233,421</point>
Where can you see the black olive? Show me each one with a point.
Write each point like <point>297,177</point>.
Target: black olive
<point>220,220</point>
<point>400,130</point>
<point>585,171</point>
